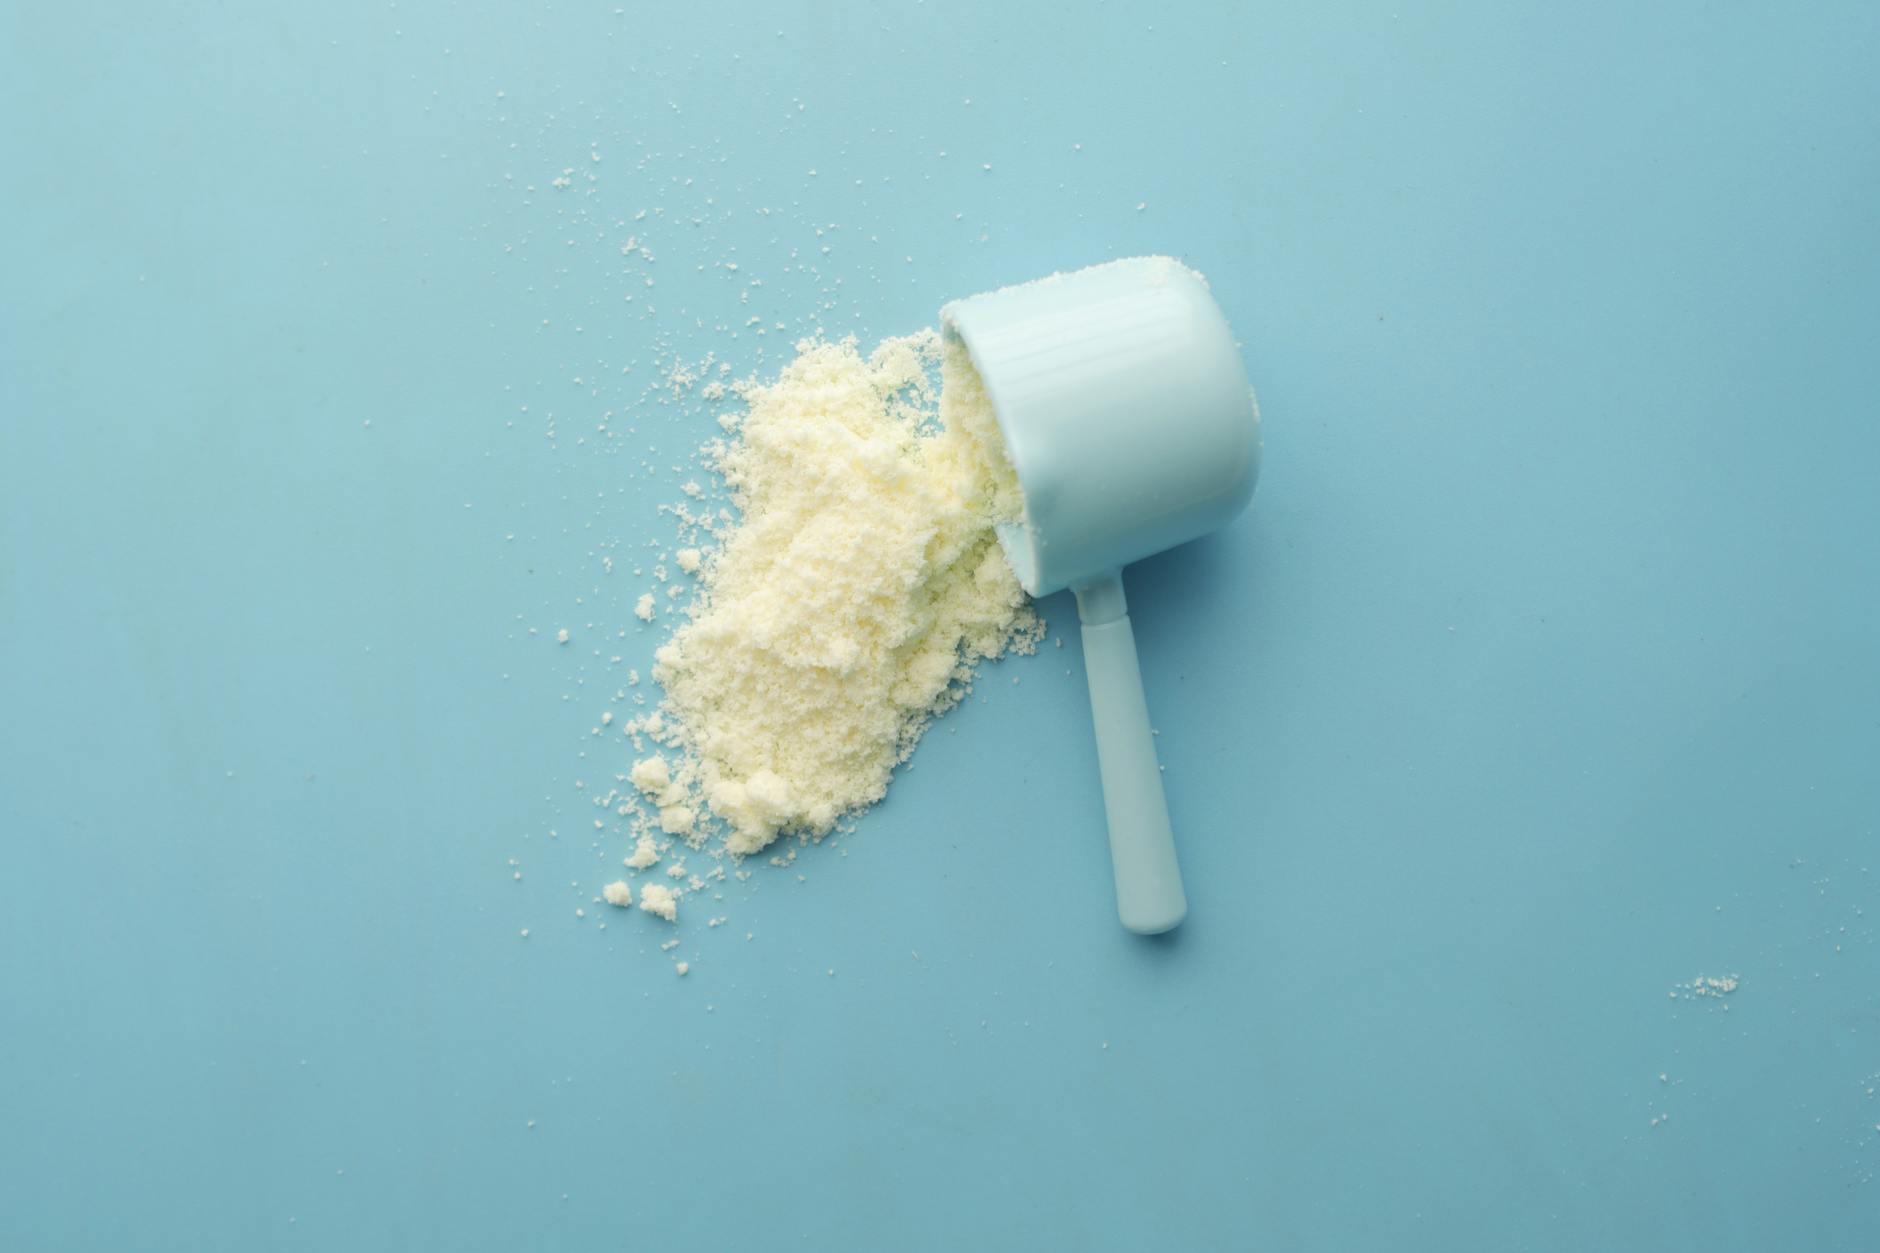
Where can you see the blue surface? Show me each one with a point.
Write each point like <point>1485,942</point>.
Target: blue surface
<point>1541,677</point>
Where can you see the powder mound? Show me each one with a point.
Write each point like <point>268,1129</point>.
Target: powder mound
<point>852,598</point>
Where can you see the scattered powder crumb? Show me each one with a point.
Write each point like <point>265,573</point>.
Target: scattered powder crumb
<point>642,608</point>
<point>618,894</point>
<point>561,636</point>
<point>688,559</point>
<point>682,968</point>
<point>1704,986</point>
<point>657,898</point>
<point>645,853</point>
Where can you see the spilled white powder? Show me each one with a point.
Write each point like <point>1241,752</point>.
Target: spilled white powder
<point>848,602</point>
<point>645,853</point>
<point>1706,986</point>
<point>618,894</point>
<point>659,900</point>
<point>651,776</point>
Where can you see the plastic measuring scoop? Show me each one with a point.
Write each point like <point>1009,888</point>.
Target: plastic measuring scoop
<point>1127,415</point>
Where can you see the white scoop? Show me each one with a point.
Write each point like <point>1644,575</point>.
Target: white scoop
<point>1128,418</point>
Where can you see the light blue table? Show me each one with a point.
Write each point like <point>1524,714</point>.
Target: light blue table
<point>1543,676</point>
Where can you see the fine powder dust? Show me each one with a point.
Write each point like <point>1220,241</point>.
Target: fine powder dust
<point>848,602</point>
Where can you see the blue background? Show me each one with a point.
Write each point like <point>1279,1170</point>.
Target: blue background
<point>1541,677</point>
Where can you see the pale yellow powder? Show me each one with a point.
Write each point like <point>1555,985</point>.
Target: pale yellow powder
<point>849,603</point>
<point>651,775</point>
<point>660,900</point>
<point>965,408</point>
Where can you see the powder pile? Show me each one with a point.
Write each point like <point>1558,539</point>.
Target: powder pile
<point>847,603</point>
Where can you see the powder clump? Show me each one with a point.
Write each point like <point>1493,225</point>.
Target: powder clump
<point>659,900</point>
<point>849,603</point>
<point>651,775</point>
<point>645,853</point>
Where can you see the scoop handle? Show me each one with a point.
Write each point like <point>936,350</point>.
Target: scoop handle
<point>1149,896</point>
